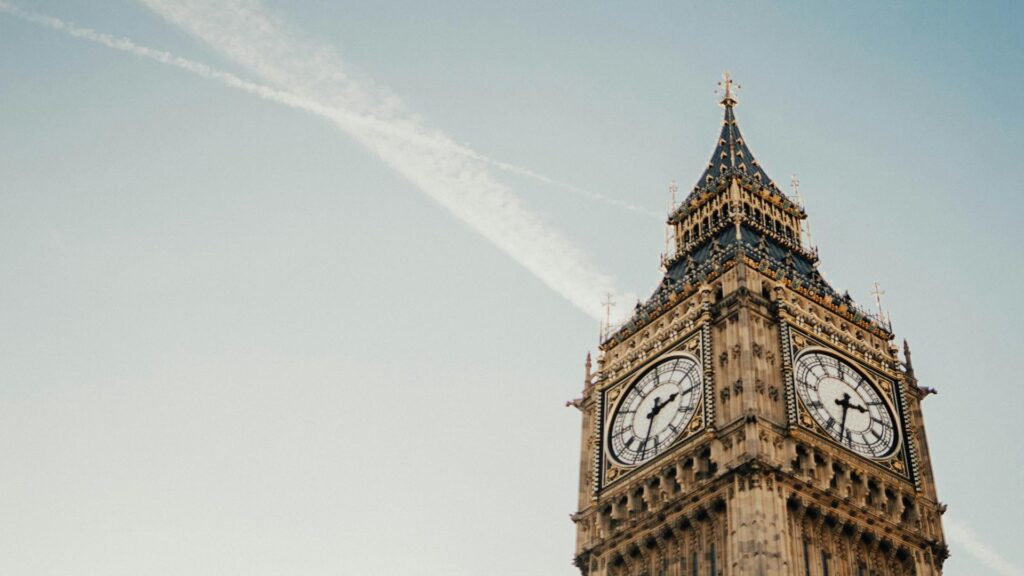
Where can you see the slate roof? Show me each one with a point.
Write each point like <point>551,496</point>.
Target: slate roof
<point>732,154</point>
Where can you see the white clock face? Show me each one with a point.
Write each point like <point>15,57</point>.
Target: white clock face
<point>655,410</point>
<point>845,404</point>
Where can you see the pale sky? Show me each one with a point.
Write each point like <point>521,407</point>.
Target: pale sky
<point>302,288</point>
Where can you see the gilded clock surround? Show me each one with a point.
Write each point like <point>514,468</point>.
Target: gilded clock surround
<point>610,469</point>
<point>754,486</point>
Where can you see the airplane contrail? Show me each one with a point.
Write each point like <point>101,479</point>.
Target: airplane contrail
<point>283,97</point>
<point>398,138</point>
<point>451,174</point>
<point>976,547</point>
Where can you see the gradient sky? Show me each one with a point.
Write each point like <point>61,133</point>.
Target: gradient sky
<point>241,336</point>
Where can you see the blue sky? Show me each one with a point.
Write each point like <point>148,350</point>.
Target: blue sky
<point>247,334</point>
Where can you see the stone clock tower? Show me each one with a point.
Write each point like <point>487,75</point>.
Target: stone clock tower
<point>749,419</point>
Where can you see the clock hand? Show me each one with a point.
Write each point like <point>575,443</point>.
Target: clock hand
<point>846,404</point>
<point>650,424</point>
<point>657,408</point>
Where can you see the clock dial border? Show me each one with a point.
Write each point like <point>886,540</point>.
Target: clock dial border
<point>695,394</point>
<point>607,470</point>
<point>887,406</point>
<point>902,459</point>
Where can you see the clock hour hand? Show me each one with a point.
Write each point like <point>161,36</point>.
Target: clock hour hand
<point>846,404</point>
<point>657,408</point>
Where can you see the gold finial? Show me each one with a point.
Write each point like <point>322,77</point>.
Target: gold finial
<point>727,86</point>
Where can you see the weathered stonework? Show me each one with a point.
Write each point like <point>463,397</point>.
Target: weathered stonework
<point>753,485</point>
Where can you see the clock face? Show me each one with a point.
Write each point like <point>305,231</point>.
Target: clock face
<point>845,404</point>
<point>655,410</point>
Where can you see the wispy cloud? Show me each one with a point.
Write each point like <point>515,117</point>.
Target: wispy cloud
<point>963,537</point>
<point>312,77</point>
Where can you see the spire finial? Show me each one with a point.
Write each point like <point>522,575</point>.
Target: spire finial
<point>608,304</point>
<point>728,86</point>
<point>878,293</point>
<point>805,226</point>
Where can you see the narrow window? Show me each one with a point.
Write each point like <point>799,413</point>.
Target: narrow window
<point>862,570</point>
<point>824,563</point>
<point>807,560</point>
<point>713,571</point>
<point>694,559</point>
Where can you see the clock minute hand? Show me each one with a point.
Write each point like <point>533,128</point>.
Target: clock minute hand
<point>650,423</point>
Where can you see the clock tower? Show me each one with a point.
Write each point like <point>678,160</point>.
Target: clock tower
<point>749,419</point>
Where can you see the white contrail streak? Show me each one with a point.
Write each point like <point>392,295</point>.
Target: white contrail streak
<point>965,538</point>
<point>453,175</point>
<point>295,101</point>
<point>450,173</point>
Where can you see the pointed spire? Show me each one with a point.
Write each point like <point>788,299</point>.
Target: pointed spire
<point>731,156</point>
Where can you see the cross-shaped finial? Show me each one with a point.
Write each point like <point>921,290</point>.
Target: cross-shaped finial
<point>727,86</point>
<point>878,293</point>
<point>609,303</point>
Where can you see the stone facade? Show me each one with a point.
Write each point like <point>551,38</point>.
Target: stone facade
<point>753,484</point>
